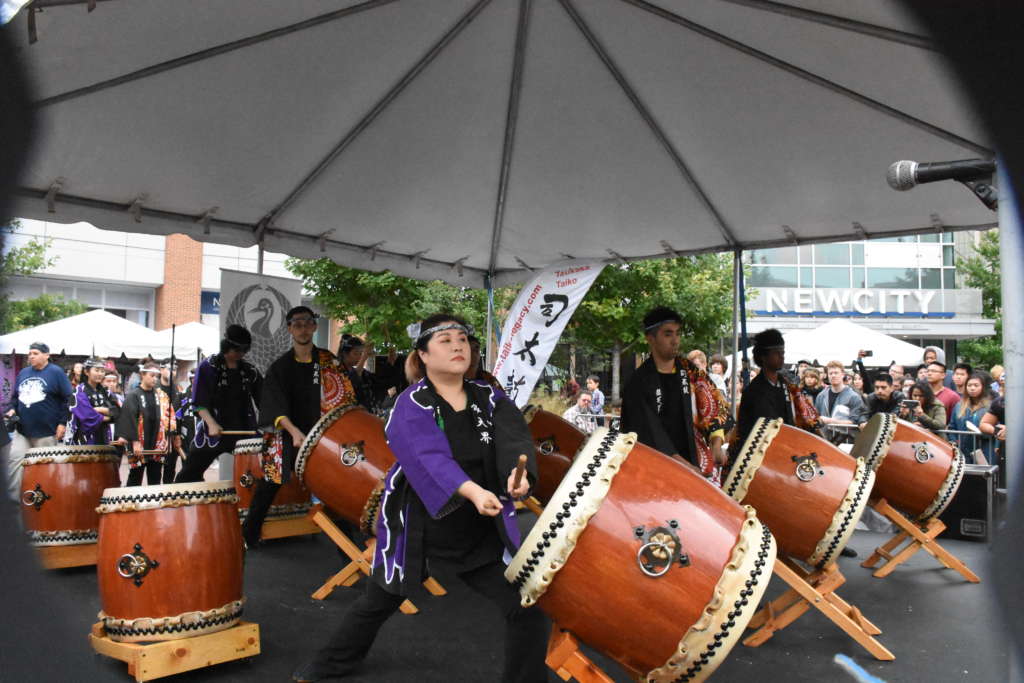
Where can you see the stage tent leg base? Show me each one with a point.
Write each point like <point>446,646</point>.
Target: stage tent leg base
<point>148,661</point>
<point>814,589</point>
<point>63,556</point>
<point>567,660</point>
<point>360,562</point>
<point>921,537</point>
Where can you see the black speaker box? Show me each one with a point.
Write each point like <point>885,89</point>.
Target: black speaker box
<point>970,516</point>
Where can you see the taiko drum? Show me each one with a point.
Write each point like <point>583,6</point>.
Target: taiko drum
<point>291,500</point>
<point>642,559</point>
<point>170,560</point>
<point>556,443</point>
<point>809,493</point>
<point>920,474</point>
<point>343,462</point>
<point>61,486</point>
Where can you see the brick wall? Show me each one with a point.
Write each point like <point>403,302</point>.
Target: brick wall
<point>178,299</point>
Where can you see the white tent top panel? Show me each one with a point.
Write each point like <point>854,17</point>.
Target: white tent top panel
<point>451,138</point>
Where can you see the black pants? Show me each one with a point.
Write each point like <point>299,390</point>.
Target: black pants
<point>152,470</point>
<point>170,464</point>
<point>262,498</point>
<point>200,458</point>
<point>526,629</point>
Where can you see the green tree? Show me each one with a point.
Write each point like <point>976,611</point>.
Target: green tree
<point>26,260</point>
<point>980,270</point>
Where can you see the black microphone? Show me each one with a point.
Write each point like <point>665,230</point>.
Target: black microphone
<point>903,175</point>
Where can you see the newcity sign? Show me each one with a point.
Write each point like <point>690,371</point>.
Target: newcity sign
<point>916,303</point>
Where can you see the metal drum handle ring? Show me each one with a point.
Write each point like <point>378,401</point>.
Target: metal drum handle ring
<point>35,497</point>
<point>135,565</point>
<point>665,548</point>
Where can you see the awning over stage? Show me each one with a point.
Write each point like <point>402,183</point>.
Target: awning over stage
<point>452,138</point>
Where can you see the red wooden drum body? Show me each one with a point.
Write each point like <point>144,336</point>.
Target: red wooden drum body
<point>641,558</point>
<point>920,474</point>
<point>291,500</point>
<point>556,442</point>
<point>809,493</point>
<point>170,560</point>
<point>343,462</point>
<point>61,486</point>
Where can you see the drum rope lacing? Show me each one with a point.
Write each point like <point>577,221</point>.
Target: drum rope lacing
<point>189,621</point>
<point>143,501</point>
<point>749,588</point>
<point>538,553</point>
<point>949,487</point>
<point>62,537</point>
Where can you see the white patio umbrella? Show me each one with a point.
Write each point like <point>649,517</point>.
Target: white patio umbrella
<point>459,138</point>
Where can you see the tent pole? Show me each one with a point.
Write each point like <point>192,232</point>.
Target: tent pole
<point>737,274</point>
<point>1011,257</point>
<point>259,259</point>
<point>489,349</point>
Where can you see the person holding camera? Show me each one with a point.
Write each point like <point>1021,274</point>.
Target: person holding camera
<point>885,399</point>
<point>40,404</point>
<point>923,409</point>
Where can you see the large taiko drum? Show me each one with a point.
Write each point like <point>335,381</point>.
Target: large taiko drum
<point>343,462</point>
<point>61,486</point>
<point>170,561</point>
<point>809,493</point>
<point>920,473</point>
<point>291,500</point>
<point>642,559</point>
<point>556,442</point>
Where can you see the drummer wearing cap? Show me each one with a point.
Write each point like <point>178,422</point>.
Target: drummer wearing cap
<point>40,400</point>
<point>299,388</point>
<point>225,390</point>
<point>148,425</point>
<point>93,409</point>
<point>673,405</point>
<point>773,394</point>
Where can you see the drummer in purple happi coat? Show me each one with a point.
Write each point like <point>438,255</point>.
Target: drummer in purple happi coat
<point>448,499</point>
<point>93,409</point>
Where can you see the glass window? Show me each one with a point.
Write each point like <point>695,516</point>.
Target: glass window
<point>806,276</point>
<point>772,276</point>
<point>858,280</point>
<point>806,254</point>
<point>949,278</point>
<point>931,278</point>
<point>773,256</point>
<point>930,237</point>
<point>857,251</point>
<point>947,237</point>
<point>832,277</point>
<point>832,254</point>
<point>947,256</point>
<point>902,238</point>
<point>893,278</point>
<point>90,297</point>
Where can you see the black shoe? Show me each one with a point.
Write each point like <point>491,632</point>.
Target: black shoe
<point>848,552</point>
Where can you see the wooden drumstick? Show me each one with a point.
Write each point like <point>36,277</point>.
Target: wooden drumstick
<point>238,432</point>
<point>533,505</point>
<point>520,468</point>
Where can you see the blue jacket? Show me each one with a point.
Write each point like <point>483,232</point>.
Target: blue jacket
<point>41,400</point>
<point>848,405</point>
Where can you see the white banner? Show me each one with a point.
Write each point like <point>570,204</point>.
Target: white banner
<point>259,303</point>
<point>535,322</point>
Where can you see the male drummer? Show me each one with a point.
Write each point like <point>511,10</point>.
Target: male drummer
<point>225,391</point>
<point>772,394</point>
<point>673,405</point>
<point>300,386</point>
<point>93,409</point>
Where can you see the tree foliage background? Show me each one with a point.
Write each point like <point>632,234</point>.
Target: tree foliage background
<point>980,270</point>
<point>26,260</point>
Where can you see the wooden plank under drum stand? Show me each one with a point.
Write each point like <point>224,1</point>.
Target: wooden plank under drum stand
<point>923,538</point>
<point>360,561</point>
<point>63,556</point>
<point>168,657</point>
<point>282,528</point>
<point>813,589</point>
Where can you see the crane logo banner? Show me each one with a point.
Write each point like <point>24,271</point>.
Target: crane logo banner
<point>259,303</point>
<point>535,322</point>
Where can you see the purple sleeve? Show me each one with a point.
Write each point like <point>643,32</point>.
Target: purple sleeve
<point>202,385</point>
<point>83,412</point>
<point>423,452</point>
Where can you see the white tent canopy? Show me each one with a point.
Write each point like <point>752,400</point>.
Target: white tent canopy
<point>96,332</point>
<point>192,336</point>
<point>841,339</point>
<point>455,138</point>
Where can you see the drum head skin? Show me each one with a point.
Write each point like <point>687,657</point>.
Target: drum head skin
<point>874,440</point>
